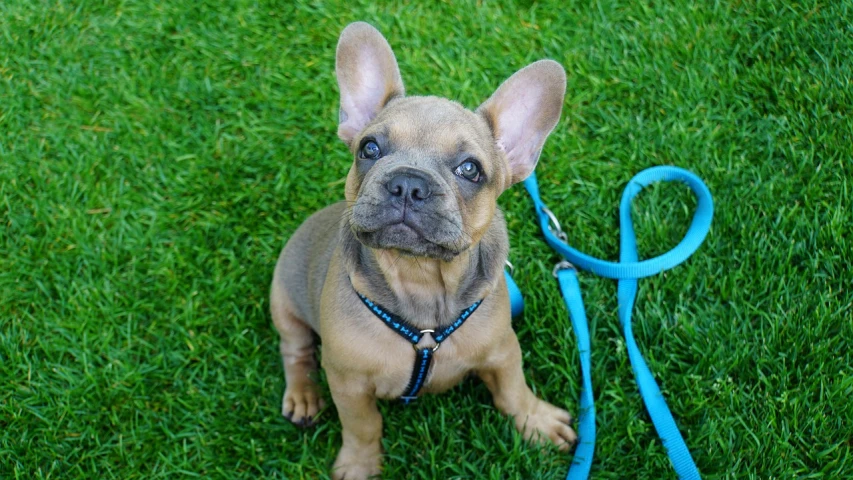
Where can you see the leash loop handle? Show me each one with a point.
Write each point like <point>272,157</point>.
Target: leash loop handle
<point>633,269</point>
<point>627,271</point>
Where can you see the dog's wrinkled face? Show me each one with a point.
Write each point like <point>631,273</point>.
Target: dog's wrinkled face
<point>425,178</point>
<point>427,172</point>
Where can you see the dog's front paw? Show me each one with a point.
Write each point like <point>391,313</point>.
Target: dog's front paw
<point>546,421</point>
<point>351,466</point>
<point>301,403</point>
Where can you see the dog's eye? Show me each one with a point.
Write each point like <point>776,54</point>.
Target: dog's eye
<point>370,151</point>
<point>469,171</point>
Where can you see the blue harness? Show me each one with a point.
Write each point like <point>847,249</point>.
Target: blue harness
<point>626,271</point>
<point>423,356</point>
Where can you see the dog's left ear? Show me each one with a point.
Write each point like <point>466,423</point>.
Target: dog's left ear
<point>368,77</point>
<point>523,111</point>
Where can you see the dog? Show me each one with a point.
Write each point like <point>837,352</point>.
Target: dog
<point>416,250</point>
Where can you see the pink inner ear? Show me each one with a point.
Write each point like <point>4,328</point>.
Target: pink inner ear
<point>519,132</point>
<point>367,75</point>
<point>368,91</point>
<point>361,97</point>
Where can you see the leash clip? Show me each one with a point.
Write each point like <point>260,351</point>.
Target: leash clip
<point>562,265</point>
<point>558,230</point>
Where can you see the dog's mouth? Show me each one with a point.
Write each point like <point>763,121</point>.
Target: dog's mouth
<point>407,234</point>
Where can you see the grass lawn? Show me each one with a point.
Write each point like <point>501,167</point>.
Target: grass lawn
<point>155,156</point>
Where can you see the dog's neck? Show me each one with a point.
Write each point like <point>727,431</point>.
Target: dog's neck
<point>428,292</point>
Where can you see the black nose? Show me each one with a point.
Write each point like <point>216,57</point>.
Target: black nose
<point>409,186</point>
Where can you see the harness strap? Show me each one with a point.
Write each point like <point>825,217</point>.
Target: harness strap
<point>402,327</point>
<point>423,359</point>
<point>626,271</point>
<point>423,356</point>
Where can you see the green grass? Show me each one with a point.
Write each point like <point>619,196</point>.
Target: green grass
<point>155,156</point>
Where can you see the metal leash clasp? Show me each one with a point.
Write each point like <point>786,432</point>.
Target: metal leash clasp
<point>562,265</point>
<point>556,229</point>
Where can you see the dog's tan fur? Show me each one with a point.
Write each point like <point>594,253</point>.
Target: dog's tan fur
<point>323,265</point>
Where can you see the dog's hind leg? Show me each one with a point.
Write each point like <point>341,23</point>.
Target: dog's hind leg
<point>302,400</point>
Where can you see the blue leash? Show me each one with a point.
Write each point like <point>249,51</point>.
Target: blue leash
<point>627,271</point>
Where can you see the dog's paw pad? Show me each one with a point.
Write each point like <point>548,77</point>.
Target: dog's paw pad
<point>301,405</point>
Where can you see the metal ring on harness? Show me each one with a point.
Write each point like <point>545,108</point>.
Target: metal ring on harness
<point>415,346</point>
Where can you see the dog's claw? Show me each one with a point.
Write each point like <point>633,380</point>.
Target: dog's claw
<point>301,406</point>
<point>306,422</point>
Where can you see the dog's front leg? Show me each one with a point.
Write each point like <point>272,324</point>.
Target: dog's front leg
<point>536,419</point>
<point>361,453</point>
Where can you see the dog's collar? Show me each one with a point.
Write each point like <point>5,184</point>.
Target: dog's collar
<point>423,356</point>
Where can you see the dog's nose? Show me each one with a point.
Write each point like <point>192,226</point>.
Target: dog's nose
<point>409,186</point>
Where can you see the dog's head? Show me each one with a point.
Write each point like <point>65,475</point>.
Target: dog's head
<point>427,172</point>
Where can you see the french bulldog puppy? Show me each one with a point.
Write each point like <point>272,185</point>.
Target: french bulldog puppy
<point>420,237</point>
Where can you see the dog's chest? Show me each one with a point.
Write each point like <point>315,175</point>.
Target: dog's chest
<point>369,346</point>
<point>451,362</point>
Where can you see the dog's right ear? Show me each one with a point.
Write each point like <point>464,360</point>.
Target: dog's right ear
<point>368,77</point>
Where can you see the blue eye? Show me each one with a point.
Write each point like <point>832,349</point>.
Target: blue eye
<point>370,151</point>
<point>469,171</point>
